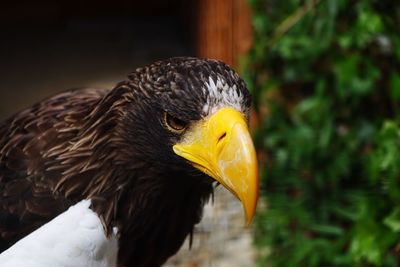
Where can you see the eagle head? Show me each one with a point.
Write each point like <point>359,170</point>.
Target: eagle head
<point>192,118</point>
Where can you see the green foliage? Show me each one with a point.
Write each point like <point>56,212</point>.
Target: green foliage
<point>325,76</point>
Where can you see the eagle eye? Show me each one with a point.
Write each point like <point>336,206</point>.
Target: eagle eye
<point>174,124</point>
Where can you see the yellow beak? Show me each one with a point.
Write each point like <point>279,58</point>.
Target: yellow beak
<point>222,148</point>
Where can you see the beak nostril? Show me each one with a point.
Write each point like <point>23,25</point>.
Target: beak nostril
<point>221,137</point>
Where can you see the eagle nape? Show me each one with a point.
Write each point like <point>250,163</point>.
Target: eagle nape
<point>142,156</point>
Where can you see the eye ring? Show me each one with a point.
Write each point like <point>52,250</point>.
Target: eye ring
<point>174,124</point>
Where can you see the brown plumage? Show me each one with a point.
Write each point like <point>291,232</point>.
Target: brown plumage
<point>111,146</point>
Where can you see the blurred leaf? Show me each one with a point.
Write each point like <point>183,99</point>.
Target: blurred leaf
<point>327,229</point>
<point>393,220</point>
<point>395,86</point>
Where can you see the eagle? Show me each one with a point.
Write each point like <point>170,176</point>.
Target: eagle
<point>145,156</point>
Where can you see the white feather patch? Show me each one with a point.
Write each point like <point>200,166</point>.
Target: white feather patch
<point>75,238</point>
<point>220,95</point>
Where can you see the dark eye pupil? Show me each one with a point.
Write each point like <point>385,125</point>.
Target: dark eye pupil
<point>178,123</point>
<point>175,123</point>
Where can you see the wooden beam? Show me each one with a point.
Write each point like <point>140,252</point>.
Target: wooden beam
<point>223,29</point>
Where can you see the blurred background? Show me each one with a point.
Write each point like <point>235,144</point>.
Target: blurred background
<point>47,46</point>
<point>325,79</point>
